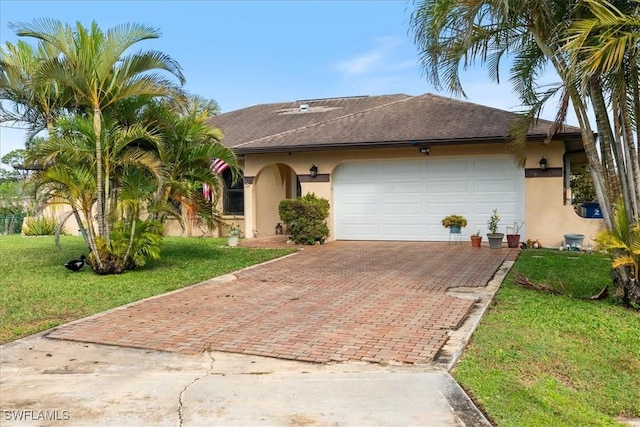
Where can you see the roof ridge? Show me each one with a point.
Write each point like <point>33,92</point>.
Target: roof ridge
<point>408,97</point>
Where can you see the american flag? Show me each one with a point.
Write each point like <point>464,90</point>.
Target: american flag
<point>217,166</point>
<point>206,192</point>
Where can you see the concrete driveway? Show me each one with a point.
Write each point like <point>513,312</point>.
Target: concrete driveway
<point>381,322</point>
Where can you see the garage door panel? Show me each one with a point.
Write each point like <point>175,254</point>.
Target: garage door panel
<point>405,209</point>
<point>445,167</point>
<point>393,170</point>
<point>435,186</point>
<point>404,187</point>
<point>407,199</point>
<point>360,231</point>
<point>408,231</point>
<point>357,189</point>
<point>443,209</point>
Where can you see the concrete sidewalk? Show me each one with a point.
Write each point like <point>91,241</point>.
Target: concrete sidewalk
<point>77,384</point>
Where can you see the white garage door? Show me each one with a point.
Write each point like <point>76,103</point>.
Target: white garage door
<point>407,199</point>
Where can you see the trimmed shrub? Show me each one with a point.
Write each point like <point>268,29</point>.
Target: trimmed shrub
<point>306,217</point>
<point>40,227</point>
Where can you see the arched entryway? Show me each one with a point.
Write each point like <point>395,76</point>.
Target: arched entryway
<point>272,184</point>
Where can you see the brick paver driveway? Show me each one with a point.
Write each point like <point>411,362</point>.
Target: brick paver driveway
<point>371,301</point>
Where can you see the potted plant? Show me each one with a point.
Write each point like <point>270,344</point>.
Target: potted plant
<point>234,235</point>
<point>476,239</point>
<point>454,223</point>
<point>495,238</point>
<point>513,234</point>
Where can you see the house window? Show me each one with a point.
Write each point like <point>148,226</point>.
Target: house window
<point>233,197</point>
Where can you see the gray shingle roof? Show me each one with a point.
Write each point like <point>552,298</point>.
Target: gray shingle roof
<point>388,120</point>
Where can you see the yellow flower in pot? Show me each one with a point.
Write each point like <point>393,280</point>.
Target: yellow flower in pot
<point>454,223</point>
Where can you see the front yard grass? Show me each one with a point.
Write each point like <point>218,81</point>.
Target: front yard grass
<point>38,293</point>
<point>544,360</point>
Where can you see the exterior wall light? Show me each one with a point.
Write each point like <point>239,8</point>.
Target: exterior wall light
<point>425,150</point>
<point>313,171</point>
<point>543,164</point>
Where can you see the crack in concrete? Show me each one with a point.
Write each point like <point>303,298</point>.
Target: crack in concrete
<point>184,390</point>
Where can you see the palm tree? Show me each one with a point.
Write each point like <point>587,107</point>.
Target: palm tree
<point>33,102</point>
<point>70,161</point>
<point>571,37</point>
<point>604,48</point>
<point>624,241</point>
<point>93,65</point>
<point>189,146</point>
<point>453,35</point>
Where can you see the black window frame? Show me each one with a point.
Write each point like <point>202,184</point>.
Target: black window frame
<point>233,194</point>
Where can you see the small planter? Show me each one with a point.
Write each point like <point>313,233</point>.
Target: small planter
<point>574,241</point>
<point>455,229</point>
<point>513,240</point>
<point>495,240</point>
<point>476,241</point>
<point>233,240</point>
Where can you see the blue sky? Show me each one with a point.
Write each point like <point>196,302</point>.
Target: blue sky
<point>242,53</point>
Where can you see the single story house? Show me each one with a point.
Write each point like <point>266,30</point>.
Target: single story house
<point>393,166</point>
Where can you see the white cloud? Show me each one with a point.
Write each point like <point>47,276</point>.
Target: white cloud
<point>373,60</point>
<point>404,65</point>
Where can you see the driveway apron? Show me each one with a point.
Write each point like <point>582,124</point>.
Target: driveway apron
<point>381,302</point>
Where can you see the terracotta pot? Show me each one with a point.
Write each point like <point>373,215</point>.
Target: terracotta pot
<point>513,240</point>
<point>476,241</point>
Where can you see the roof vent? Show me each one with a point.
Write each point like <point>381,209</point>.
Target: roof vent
<point>304,108</point>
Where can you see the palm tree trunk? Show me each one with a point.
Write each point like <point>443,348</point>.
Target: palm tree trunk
<point>81,226</point>
<point>588,139</point>
<point>97,130</point>
<point>591,150</point>
<point>131,240</point>
<point>100,202</point>
<point>626,145</point>
<point>634,155</point>
<point>91,235</point>
<point>609,150</point>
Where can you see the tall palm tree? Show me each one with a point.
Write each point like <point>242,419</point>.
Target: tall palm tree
<point>604,47</point>
<point>572,37</point>
<point>94,65</point>
<point>453,35</point>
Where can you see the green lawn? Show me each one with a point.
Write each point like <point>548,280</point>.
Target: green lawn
<point>37,292</point>
<point>544,360</point>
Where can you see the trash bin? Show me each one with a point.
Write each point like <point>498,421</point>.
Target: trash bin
<point>590,210</point>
